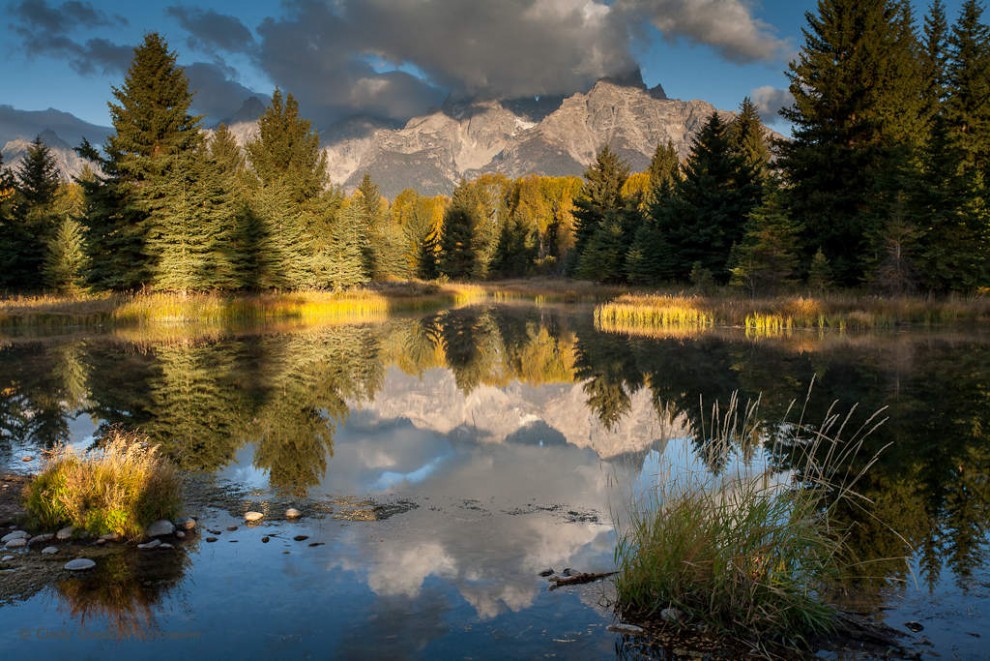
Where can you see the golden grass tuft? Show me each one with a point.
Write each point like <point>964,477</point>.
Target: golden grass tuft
<point>120,488</point>
<point>653,312</point>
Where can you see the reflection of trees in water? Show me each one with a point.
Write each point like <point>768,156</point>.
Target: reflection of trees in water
<point>931,485</point>
<point>40,389</point>
<point>123,590</point>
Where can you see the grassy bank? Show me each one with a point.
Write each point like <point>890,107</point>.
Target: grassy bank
<point>749,554</point>
<point>646,314</point>
<point>218,310</point>
<point>121,488</point>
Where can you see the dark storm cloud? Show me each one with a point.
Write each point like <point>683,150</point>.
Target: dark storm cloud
<point>62,18</point>
<point>321,50</point>
<point>214,94</point>
<point>212,32</point>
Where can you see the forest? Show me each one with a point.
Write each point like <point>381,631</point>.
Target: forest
<point>881,187</point>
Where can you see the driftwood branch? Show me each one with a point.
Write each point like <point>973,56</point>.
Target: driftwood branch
<point>579,578</point>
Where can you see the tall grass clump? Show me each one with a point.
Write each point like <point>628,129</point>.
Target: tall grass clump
<point>752,553</point>
<point>633,313</point>
<point>120,488</point>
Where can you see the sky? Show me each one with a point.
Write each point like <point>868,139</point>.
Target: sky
<point>396,59</point>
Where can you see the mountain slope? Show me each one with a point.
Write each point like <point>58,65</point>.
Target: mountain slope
<point>431,153</point>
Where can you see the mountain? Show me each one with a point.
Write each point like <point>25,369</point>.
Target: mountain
<point>432,153</point>
<point>59,130</point>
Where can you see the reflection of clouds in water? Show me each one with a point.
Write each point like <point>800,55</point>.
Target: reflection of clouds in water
<point>490,601</point>
<point>402,569</point>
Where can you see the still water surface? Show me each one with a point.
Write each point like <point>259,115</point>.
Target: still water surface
<point>443,462</point>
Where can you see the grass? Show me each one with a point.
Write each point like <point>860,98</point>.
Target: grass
<point>653,314</point>
<point>749,555</point>
<point>120,488</point>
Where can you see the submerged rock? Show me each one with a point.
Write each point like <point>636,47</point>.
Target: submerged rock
<point>292,513</point>
<point>301,538</point>
<point>155,543</point>
<point>186,523</point>
<point>628,629</point>
<point>210,540</point>
<point>49,550</point>
<point>160,528</point>
<point>251,517</point>
<point>80,564</point>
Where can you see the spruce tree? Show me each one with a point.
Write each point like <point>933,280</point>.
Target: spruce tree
<point>767,257</point>
<point>65,259</point>
<point>858,119</point>
<point>600,196</point>
<point>458,253</point>
<point>290,171</point>
<point>38,176</point>
<point>340,265</point>
<point>707,214</point>
<point>749,139</point>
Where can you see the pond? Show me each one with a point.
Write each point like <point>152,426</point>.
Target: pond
<point>442,463</point>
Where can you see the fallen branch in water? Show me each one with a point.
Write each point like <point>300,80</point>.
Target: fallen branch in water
<point>579,578</point>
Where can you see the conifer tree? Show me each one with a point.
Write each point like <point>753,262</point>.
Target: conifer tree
<point>340,265</point>
<point>649,259</point>
<point>600,196</point>
<point>65,258</point>
<point>458,255</point>
<point>767,257</point>
<point>748,137</point>
<point>708,211</point>
<point>291,175</point>
<point>38,176</point>
<point>858,120</point>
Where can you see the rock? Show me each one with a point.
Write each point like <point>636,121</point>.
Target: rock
<point>65,533</point>
<point>18,543</point>
<point>11,536</point>
<point>49,550</point>
<point>211,539</point>
<point>153,544</point>
<point>186,523</point>
<point>265,540</point>
<point>27,459</point>
<point>547,572</point>
<point>160,528</point>
<point>80,564</point>
<point>628,629</point>
<point>7,558</point>
<point>292,513</point>
<point>165,546</point>
<point>251,517</point>
<point>671,615</point>
<point>231,528</point>
<point>312,544</point>
<point>914,626</point>
<point>111,537</point>
<point>301,538</point>
<point>42,538</point>
<point>180,535</point>
<point>101,542</point>
<point>213,532</point>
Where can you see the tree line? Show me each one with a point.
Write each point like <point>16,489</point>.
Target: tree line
<point>883,184</point>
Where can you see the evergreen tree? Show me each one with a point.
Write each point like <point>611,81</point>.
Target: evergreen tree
<point>858,119</point>
<point>600,198</point>
<point>748,137</point>
<point>291,175</point>
<point>340,265</point>
<point>38,176</point>
<point>153,132</point>
<point>707,214</point>
<point>65,259</point>
<point>820,273</point>
<point>458,255</point>
<point>767,257</point>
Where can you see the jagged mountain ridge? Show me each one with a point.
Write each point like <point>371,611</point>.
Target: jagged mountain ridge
<point>433,152</point>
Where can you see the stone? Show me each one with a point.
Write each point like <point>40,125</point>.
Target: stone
<point>547,572</point>
<point>165,546</point>
<point>628,629</point>
<point>301,538</point>
<point>65,533</point>
<point>160,528</point>
<point>251,517</point>
<point>671,615</point>
<point>101,542</point>
<point>18,543</point>
<point>42,538</point>
<point>186,523</point>
<point>153,544</point>
<point>312,544</point>
<point>231,528</point>
<point>265,540</point>
<point>11,536</point>
<point>210,540</point>
<point>49,550</point>
<point>7,558</point>
<point>80,564</point>
<point>27,459</point>
<point>914,626</point>
<point>292,513</point>
<point>111,537</point>
<point>180,535</point>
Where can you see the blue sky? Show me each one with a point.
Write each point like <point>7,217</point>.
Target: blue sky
<point>396,58</point>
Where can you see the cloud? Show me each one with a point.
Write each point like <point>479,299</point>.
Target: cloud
<point>211,32</point>
<point>729,26</point>
<point>769,101</point>
<point>62,18</point>
<point>215,95</point>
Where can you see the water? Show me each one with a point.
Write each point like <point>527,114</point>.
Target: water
<point>444,462</point>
